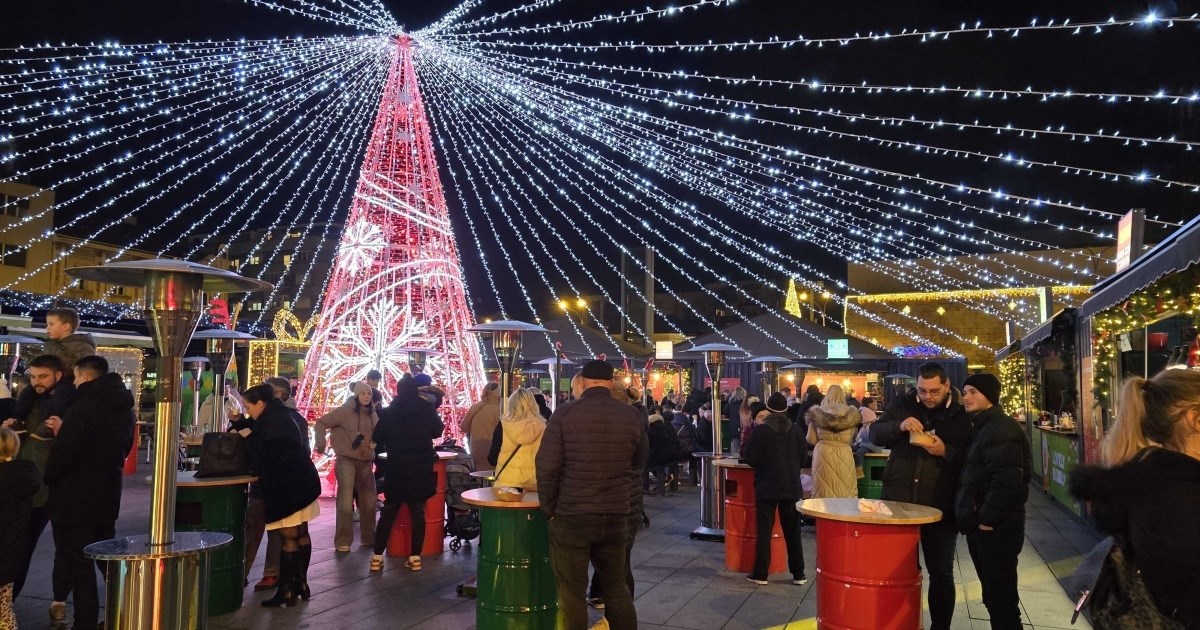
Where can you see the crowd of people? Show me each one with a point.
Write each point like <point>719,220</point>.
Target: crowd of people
<point>591,461</point>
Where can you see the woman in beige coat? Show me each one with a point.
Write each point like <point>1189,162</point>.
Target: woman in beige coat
<point>480,423</point>
<point>523,429</point>
<point>350,427</point>
<point>831,427</point>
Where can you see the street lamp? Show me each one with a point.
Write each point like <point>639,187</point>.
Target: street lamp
<point>770,365</point>
<point>160,580</point>
<point>219,345</point>
<point>506,345</point>
<point>825,295</point>
<point>712,495</point>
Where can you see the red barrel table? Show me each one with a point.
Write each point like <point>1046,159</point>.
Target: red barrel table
<point>741,531</point>
<point>400,539</point>
<point>867,570</point>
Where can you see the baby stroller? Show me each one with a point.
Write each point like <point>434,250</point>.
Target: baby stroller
<point>462,520</point>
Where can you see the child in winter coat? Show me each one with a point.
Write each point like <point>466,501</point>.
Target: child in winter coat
<point>18,483</point>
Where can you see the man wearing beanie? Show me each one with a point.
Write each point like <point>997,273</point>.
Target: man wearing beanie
<point>990,505</point>
<point>926,473</point>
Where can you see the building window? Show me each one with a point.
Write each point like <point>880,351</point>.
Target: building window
<point>287,261</point>
<point>13,206</point>
<point>11,255</point>
<point>256,306</point>
<point>287,305</point>
<point>235,263</point>
<point>254,260</point>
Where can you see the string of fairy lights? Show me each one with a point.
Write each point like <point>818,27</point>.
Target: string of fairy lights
<point>550,148</point>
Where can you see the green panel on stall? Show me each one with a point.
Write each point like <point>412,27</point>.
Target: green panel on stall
<point>1039,469</point>
<point>1064,456</point>
<point>516,587</point>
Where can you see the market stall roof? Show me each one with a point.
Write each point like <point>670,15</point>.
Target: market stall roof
<point>1007,351</point>
<point>785,336</point>
<point>1175,253</point>
<point>1036,335</point>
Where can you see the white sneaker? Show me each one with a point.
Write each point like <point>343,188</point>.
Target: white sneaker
<point>413,562</point>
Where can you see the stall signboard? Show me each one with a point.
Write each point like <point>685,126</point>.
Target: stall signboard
<point>1063,456</point>
<point>838,348</point>
<point>664,350</point>
<point>728,384</point>
<point>1129,238</point>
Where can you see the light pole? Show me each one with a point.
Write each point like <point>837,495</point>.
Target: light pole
<point>825,295</point>
<point>219,345</point>
<point>712,495</point>
<point>160,580</point>
<point>506,345</point>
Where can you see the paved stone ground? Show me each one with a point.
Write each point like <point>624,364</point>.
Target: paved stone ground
<point>681,583</point>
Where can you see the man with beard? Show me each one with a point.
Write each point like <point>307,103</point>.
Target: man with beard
<point>83,473</point>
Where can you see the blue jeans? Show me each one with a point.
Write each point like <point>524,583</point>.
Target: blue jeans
<point>861,449</point>
<point>600,539</point>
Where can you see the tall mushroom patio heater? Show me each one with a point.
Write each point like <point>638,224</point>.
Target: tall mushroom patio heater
<point>10,353</point>
<point>418,358</point>
<point>219,344</point>
<point>506,345</point>
<point>798,371</point>
<point>769,372</point>
<point>196,367</point>
<point>712,496</point>
<point>160,580</point>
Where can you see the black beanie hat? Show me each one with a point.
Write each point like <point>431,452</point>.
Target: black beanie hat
<point>987,384</point>
<point>777,403</point>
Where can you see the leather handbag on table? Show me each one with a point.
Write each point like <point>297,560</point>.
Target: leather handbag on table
<point>223,455</point>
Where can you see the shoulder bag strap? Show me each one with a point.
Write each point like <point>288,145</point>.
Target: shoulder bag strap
<point>505,465</point>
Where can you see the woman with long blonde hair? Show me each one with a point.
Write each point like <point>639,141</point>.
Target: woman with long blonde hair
<point>523,429</point>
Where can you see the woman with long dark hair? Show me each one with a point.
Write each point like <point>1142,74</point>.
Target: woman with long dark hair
<point>289,483</point>
<point>406,431</point>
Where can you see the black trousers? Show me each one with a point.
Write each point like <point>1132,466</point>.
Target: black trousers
<point>635,524</point>
<point>995,556</point>
<point>938,543</point>
<point>37,525</point>
<point>599,539</point>
<point>764,523</point>
<point>76,573</point>
<point>387,518</point>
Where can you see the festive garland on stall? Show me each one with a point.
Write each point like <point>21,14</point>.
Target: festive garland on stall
<point>1179,292</point>
<point>1012,384</point>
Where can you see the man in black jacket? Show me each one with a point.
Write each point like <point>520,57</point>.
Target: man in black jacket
<point>776,450</point>
<point>84,475</point>
<point>990,506</point>
<point>927,474</point>
<point>591,455</point>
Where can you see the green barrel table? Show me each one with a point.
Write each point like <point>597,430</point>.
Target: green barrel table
<point>516,583</point>
<point>217,504</point>
<point>871,485</point>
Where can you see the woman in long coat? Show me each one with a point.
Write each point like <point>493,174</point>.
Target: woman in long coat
<point>831,427</point>
<point>290,486</point>
<point>406,431</point>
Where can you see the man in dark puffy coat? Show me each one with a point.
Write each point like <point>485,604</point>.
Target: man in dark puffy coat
<point>776,450</point>
<point>928,474</point>
<point>592,454</point>
<point>84,475</point>
<point>990,506</point>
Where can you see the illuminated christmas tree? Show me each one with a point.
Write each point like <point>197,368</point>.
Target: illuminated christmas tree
<point>792,305</point>
<point>397,281</point>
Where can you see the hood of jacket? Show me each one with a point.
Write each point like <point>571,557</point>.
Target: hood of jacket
<point>525,430</point>
<point>107,390</point>
<point>830,417</point>
<point>778,422</point>
<point>492,396</point>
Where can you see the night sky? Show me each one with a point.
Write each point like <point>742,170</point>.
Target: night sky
<point>1128,60</point>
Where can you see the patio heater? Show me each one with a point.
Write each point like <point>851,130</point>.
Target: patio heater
<point>506,345</point>
<point>219,344</point>
<point>712,495</point>
<point>798,371</point>
<point>418,358</point>
<point>160,580</point>
<point>10,354</point>
<point>557,361</point>
<point>196,367</point>
<point>897,386</point>
<point>769,372</point>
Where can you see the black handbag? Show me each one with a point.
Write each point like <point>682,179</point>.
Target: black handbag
<point>223,455</point>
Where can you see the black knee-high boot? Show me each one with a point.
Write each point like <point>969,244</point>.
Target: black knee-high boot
<point>305,555</point>
<point>285,593</point>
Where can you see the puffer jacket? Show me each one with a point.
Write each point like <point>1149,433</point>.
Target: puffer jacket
<point>592,453</point>
<point>85,468</point>
<point>776,451</point>
<point>32,410</point>
<point>995,477</point>
<point>1153,502</point>
<point>479,424</point>
<point>406,433</point>
<point>664,443</point>
<point>831,428</point>
<point>912,475</point>
<point>344,424</point>
<point>70,349</point>
<point>522,440</point>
